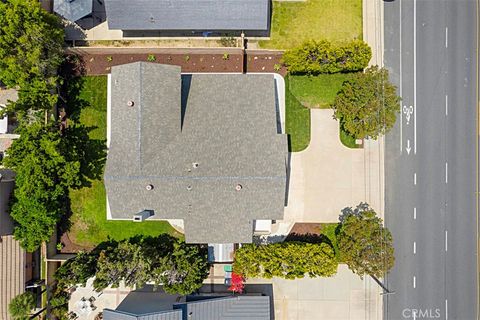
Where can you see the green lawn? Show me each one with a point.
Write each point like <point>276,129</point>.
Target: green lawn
<point>89,224</point>
<point>295,22</point>
<point>317,91</point>
<point>328,230</point>
<point>297,120</point>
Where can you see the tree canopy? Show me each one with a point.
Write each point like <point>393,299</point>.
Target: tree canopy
<point>287,260</point>
<point>365,245</point>
<point>43,178</point>
<point>367,104</point>
<point>21,306</point>
<point>31,51</point>
<point>178,267</point>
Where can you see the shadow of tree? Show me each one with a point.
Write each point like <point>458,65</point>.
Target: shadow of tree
<point>91,153</point>
<point>310,238</point>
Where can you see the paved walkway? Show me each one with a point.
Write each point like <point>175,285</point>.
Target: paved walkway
<point>327,176</point>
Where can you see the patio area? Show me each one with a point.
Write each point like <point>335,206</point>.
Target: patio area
<point>86,304</point>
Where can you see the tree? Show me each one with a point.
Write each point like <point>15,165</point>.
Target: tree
<point>365,245</point>
<point>287,260</point>
<point>31,50</point>
<point>21,306</point>
<point>367,104</point>
<point>43,178</point>
<point>164,260</point>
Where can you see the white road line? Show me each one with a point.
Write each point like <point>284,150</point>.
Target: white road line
<point>414,282</point>
<point>446,240</point>
<point>400,86</point>
<point>446,37</point>
<point>446,104</point>
<point>415,179</point>
<point>446,172</point>
<point>415,213</point>
<point>414,76</point>
<point>446,309</point>
<point>414,247</point>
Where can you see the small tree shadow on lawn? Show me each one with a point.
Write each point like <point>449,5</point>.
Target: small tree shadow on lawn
<point>310,238</point>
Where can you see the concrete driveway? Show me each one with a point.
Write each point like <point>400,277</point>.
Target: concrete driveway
<point>327,176</point>
<point>343,297</point>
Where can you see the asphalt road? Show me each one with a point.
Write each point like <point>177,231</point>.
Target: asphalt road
<point>430,166</point>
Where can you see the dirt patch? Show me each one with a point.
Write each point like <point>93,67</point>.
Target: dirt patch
<point>100,61</point>
<point>68,246</point>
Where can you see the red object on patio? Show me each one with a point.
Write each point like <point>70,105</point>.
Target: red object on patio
<point>237,284</point>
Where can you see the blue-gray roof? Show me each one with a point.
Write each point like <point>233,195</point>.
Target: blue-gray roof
<point>188,14</point>
<point>73,10</point>
<point>207,144</point>
<point>222,308</point>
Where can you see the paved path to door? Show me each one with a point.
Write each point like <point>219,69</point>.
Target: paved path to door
<point>327,176</point>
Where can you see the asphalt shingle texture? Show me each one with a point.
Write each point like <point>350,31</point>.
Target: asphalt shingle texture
<point>188,14</point>
<point>228,140</point>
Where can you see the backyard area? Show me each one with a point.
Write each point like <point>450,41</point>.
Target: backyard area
<point>89,224</point>
<point>295,22</point>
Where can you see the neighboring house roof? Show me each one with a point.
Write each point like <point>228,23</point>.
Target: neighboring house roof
<point>109,314</point>
<point>188,14</point>
<point>12,256</point>
<point>229,140</point>
<point>223,308</point>
<point>73,10</point>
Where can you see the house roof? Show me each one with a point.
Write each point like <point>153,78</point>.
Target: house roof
<point>12,256</point>
<point>196,139</point>
<point>188,14</point>
<point>231,308</point>
<point>73,10</point>
<point>109,314</point>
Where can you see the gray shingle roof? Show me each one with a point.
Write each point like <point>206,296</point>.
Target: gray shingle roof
<point>188,14</point>
<point>229,129</point>
<point>73,10</point>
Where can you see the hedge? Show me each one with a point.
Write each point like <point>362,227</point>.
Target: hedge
<point>315,57</point>
<point>288,260</point>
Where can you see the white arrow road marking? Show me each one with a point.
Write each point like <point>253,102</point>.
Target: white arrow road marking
<point>408,147</point>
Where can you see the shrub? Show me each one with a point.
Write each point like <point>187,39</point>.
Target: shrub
<point>228,42</point>
<point>287,260</point>
<point>315,57</point>
<point>109,58</point>
<point>226,56</point>
<point>151,58</point>
<point>187,58</point>
<point>277,67</point>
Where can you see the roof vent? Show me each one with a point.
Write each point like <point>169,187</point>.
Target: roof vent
<point>130,103</point>
<point>195,164</point>
<point>149,187</point>
<point>238,187</point>
<point>189,188</point>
